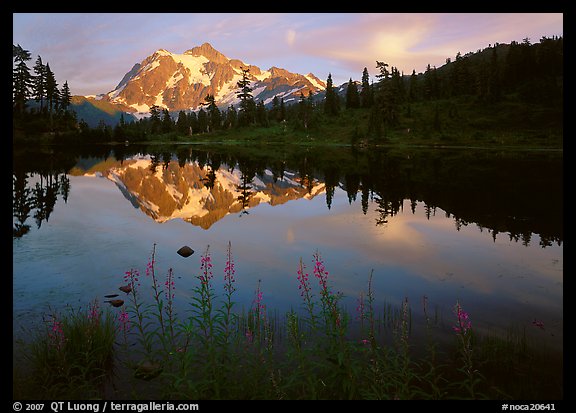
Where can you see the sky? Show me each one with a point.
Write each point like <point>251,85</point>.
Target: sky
<point>93,51</point>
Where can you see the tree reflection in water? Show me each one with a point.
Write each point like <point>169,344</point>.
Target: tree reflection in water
<point>518,193</point>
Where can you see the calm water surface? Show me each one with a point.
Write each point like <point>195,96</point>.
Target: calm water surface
<point>480,227</point>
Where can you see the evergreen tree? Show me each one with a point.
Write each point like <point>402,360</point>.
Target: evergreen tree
<point>413,87</point>
<point>166,121</point>
<point>247,105</point>
<point>389,94</point>
<point>282,115</point>
<point>304,111</point>
<point>213,113</point>
<point>231,117</point>
<point>182,124</point>
<point>68,117</point>
<point>21,79</point>
<point>460,78</point>
<point>366,96</point>
<point>193,122</point>
<point>65,97</point>
<point>431,87</point>
<point>120,129</point>
<point>331,103</point>
<point>275,111</point>
<point>261,114</point>
<point>39,82</point>
<point>202,121</point>
<point>52,92</point>
<point>155,119</point>
<point>352,96</point>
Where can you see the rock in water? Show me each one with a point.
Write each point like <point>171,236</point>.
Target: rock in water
<point>185,251</point>
<point>148,370</point>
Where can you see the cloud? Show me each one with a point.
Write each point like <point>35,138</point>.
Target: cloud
<point>290,37</point>
<point>411,41</point>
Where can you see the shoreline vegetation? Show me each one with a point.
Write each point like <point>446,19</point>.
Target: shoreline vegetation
<point>140,347</point>
<point>349,129</point>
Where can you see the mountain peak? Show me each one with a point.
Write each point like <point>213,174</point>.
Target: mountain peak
<point>208,52</point>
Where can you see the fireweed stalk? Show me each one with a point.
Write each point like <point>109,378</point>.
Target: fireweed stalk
<point>169,288</point>
<point>306,292</point>
<point>124,324</point>
<point>329,300</point>
<point>94,313</point>
<point>370,313</point>
<point>405,327</point>
<point>151,271</point>
<point>433,376</point>
<point>56,334</point>
<point>463,330</point>
<point>258,311</point>
<point>258,327</point>
<point>203,302</point>
<point>229,280</point>
<point>132,278</point>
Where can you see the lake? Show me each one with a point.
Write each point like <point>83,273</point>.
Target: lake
<point>482,227</point>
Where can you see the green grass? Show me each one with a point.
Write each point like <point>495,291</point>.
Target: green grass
<point>71,357</point>
<point>316,351</point>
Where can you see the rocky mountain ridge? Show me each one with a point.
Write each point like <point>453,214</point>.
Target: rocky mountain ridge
<point>182,81</point>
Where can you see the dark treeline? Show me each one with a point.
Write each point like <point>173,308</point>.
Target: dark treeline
<point>39,105</point>
<point>504,87</point>
<point>509,193</point>
<point>511,85</point>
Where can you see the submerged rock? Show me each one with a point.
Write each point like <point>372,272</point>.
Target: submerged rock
<point>185,251</point>
<point>147,370</point>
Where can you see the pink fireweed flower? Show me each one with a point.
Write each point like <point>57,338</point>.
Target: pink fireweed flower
<point>464,324</point>
<point>320,272</point>
<point>169,284</point>
<point>94,312</point>
<point>258,306</point>
<point>151,262</point>
<point>539,324</point>
<point>124,321</point>
<point>304,283</point>
<point>229,273</point>
<point>149,267</point>
<point>132,278</point>
<point>259,300</point>
<point>56,334</point>
<point>205,268</point>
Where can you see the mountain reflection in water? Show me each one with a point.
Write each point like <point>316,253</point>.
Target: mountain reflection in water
<point>202,195</point>
<point>504,192</point>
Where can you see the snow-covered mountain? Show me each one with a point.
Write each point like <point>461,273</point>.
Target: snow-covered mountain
<point>197,194</point>
<point>182,81</point>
